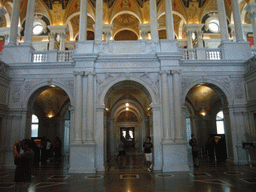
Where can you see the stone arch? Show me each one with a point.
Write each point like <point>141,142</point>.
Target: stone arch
<point>125,12</point>
<point>117,109</point>
<point>37,89</point>
<point>129,29</point>
<point>223,92</point>
<point>149,91</point>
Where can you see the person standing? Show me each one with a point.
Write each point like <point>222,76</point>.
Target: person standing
<point>121,151</point>
<point>147,151</point>
<point>24,163</point>
<point>193,144</point>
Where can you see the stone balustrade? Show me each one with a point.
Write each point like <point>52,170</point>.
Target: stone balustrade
<point>51,56</point>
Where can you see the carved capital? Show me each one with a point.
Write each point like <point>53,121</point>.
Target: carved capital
<point>75,73</point>
<point>176,72</point>
<point>90,73</point>
<point>161,72</point>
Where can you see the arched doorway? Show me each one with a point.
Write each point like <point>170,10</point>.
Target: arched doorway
<point>50,105</point>
<point>127,114</point>
<point>204,101</point>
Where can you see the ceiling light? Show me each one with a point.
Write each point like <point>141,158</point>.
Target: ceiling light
<point>127,104</point>
<point>127,108</point>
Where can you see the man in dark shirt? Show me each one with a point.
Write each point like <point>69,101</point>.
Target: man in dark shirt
<point>147,151</point>
<point>24,164</point>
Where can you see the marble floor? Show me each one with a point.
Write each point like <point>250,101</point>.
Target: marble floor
<point>130,175</point>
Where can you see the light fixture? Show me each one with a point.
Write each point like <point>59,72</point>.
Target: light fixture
<point>203,113</point>
<point>127,108</point>
<point>52,86</point>
<point>127,104</point>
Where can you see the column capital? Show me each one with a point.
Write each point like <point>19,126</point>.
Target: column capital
<point>58,29</point>
<point>192,27</point>
<point>75,73</point>
<point>161,72</point>
<point>179,71</point>
<point>90,73</point>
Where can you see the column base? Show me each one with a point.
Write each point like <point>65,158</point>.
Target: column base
<point>82,158</point>
<point>175,157</point>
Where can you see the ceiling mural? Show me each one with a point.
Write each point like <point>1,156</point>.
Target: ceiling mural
<point>126,20</point>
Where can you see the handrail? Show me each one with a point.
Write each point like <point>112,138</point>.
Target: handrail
<point>189,54</point>
<point>39,56</point>
<point>65,55</point>
<point>214,54</point>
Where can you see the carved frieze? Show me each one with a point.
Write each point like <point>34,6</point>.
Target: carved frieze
<point>238,89</point>
<point>15,93</point>
<point>69,83</point>
<point>250,65</point>
<point>3,69</point>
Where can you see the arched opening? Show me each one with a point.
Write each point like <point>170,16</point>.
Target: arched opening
<point>128,115</point>
<point>207,107</point>
<point>126,27</point>
<point>48,108</point>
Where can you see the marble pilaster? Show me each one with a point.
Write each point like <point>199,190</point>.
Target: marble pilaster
<point>90,108</point>
<point>177,104</point>
<point>165,106</point>
<point>78,106</point>
<point>62,41</point>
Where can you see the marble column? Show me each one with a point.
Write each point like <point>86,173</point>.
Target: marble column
<point>99,21</point>
<point>83,21</point>
<point>200,39</point>
<point>237,19</point>
<point>153,21</point>
<point>165,106</point>
<point>251,8</point>
<point>62,41</point>
<point>190,42</point>
<point>107,30</point>
<point>78,106</point>
<point>144,30</point>
<point>177,104</point>
<point>52,41</point>
<point>14,22</point>
<point>29,22</point>
<point>90,107</point>
<point>169,20</point>
<point>222,21</point>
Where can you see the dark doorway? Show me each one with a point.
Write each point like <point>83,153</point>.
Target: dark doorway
<point>127,134</point>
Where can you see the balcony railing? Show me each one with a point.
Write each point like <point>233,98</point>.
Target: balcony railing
<point>51,56</point>
<point>39,56</point>
<point>63,56</point>
<point>213,54</point>
<point>202,54</point>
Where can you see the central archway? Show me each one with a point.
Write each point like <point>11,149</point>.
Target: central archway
<point>127,115</point>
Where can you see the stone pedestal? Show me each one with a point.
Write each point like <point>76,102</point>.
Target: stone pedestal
<point>17,54</point>
<point>175,157</point>
<point>82,158</point>
<point>236,51</point>
<point>85,47</point>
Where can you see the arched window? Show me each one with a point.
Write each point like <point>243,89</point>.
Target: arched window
<point>34,126</point>
<point>220,123</point>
